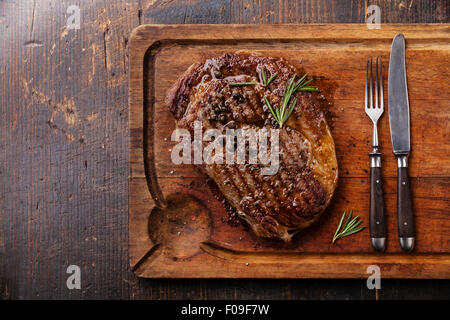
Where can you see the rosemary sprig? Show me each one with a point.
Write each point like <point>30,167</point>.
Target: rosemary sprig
<point>272,78</point>
<point>282,114</point>
<point>308,88</point>
<point>350,226</point>
<point>264,77</point>
<point>241,84</point>
<point>263,74</point>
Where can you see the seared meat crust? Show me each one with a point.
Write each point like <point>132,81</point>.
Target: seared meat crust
<point>282,204</point>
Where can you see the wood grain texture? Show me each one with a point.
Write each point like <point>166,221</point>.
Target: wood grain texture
<point>66,202</point>
<point>160,54</point>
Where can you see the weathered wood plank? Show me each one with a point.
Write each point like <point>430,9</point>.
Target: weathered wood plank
<point>64,132</point>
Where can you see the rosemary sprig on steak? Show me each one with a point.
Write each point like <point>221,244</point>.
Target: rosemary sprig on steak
<point>272,78</point>
<point>350,227</point>
<point>241,84</point>
<point>301,85</point>
<point>280,114</point>
<point>264,77</point>
<point>283,113</point>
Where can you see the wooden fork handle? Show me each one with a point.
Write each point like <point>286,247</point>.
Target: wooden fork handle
<point>377,218</point>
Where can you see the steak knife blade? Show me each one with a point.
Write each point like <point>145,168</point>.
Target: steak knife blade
<point>398,98</point>
<point>400,135</point>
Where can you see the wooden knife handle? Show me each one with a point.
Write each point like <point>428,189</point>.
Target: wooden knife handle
<point>377,218</point>
<point>405,214</point>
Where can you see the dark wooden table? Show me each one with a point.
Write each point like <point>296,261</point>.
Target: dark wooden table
<point>64,146</point>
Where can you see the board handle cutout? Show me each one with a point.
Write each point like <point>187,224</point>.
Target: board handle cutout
<point>149,130</point>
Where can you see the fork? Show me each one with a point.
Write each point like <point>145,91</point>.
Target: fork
<point>374,111</point>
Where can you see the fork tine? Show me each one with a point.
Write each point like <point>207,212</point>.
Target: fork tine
<point>367,78</point>
<point>381,85</point>
<point>376,84</point>
<point>371,85</point>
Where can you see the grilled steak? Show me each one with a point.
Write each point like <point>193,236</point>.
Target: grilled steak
<point>274,206</point>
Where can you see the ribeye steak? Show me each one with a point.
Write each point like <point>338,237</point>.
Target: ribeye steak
<point>274,206</point>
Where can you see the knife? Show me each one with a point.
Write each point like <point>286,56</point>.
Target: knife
<point>400,136</point>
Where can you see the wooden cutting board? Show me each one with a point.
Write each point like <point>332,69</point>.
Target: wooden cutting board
<point>189,238</point>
